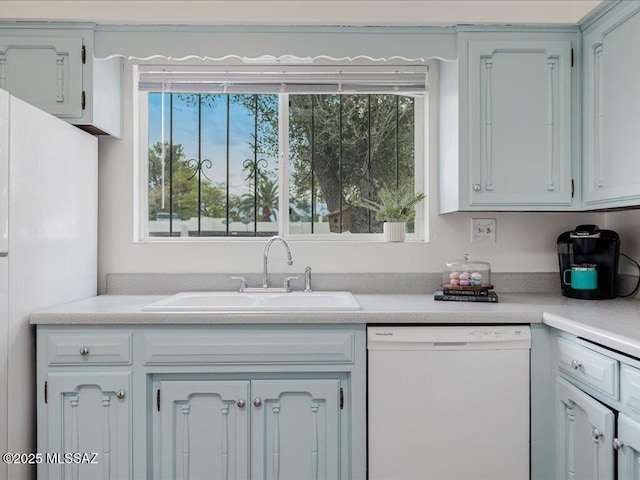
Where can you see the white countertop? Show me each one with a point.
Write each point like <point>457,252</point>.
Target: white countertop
<point>612,323</point>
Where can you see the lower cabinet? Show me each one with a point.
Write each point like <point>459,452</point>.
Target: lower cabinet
<point>295,429</point>
<point>628,447</point>
<point>597,427</point>
<point>89,430</point>
<point>221,402</point>
<point>204,429</point>
<point>271,428</point>
<point>585,431</point>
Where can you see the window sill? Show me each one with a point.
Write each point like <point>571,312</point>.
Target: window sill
<point>369,240</point>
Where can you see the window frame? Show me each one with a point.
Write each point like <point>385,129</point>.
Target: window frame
<point>141,180</point>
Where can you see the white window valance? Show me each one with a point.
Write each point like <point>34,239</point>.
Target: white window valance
<point>221,42</point>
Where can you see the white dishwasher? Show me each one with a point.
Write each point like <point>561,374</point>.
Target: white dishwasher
<point>448,402</point>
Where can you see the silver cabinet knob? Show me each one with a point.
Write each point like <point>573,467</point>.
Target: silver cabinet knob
<point>617,444</point>
<point>476,187</point>
<point>575,364</point>
<point>241,403</point>
<point>120,395</point>
<point>257,402</point>
<point>84,351</point>
<point>595,433</point>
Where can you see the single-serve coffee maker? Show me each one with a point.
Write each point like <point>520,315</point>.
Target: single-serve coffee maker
<point>588,259</point>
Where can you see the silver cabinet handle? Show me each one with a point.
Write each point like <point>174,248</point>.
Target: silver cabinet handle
<point>476,187</point>
<point>120,395</point>
<point>257,402</point>
<point>84,351</point>
<point>575,364</point>
<point>595,433</point>
<point>617,444</point>
<point>241,403</point>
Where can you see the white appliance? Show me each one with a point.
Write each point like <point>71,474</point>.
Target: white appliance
<point>48,250</point>
<point>448,402</point>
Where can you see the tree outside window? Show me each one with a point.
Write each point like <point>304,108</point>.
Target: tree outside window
<point>217,171</point>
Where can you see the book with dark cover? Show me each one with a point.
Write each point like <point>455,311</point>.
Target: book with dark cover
<point>470,293</point>
<point>491,297</point>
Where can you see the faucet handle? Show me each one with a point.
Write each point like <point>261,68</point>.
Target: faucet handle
<point>307,279</point>
<point>243,283</point>
<point>286,282</point>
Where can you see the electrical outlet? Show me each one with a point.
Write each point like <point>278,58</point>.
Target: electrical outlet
<point>483,230</point>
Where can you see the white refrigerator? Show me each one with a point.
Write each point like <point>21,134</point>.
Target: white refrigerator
<point>48,250</point>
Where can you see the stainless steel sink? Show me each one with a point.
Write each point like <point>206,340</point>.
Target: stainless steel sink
<point>255,302</point>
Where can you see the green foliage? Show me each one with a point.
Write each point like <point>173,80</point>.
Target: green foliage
<point>394,205</point>
<point>184,186</point>
<point>340,147</point>
<point>267,201</point>
<point>362,159</point>
<point>353,142</point>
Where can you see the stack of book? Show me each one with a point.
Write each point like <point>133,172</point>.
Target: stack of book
<point>465,294</point>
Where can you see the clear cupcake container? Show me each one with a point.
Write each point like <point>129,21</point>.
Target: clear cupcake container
<point>466,273</point>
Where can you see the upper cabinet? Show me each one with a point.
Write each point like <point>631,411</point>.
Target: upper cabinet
<point>55,70</point>
<point>611,99</point>
<point>45,71</point>
<point>506,132</point>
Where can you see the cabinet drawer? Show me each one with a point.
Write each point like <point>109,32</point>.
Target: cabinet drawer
<point>630,387</point>
<point>230,348</point>
<point>588,366</point>
<point>100,348</point>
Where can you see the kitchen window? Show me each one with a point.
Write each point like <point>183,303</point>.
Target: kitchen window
<point>224,151</point>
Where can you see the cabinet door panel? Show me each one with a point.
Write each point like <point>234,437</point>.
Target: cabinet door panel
<point>205,433</point>
<point>85,415</point>
<point>520,123</point>
<point>630,387</point>
<point>585,434</point>
<point>44,71</point>
<point>629,453</point>
<point>295,429</point>
<point>612,102</point>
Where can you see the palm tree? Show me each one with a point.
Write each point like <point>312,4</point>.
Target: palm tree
<point>267,201</point>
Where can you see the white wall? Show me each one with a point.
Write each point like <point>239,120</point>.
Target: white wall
<point>525,241</point>
<point>309,12</point>
<point>627,224</point>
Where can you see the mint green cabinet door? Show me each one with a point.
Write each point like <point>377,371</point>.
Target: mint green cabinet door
<point>628,445</point>
<point>585,435</point>
<point>204,430</point>
<point>89,413</point>
<point>44,71</point>
<point>520,134</point>
<point>611,173</point>
<point>295,429</point>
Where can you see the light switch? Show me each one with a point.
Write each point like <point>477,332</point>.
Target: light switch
<point>483,230</point>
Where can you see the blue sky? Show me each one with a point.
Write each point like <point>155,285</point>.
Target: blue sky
<point>214,126</point>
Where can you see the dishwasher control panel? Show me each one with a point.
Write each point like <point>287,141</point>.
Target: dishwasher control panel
<point>458,337</point>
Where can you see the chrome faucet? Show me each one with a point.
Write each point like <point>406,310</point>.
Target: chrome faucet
<point>265,274</point>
